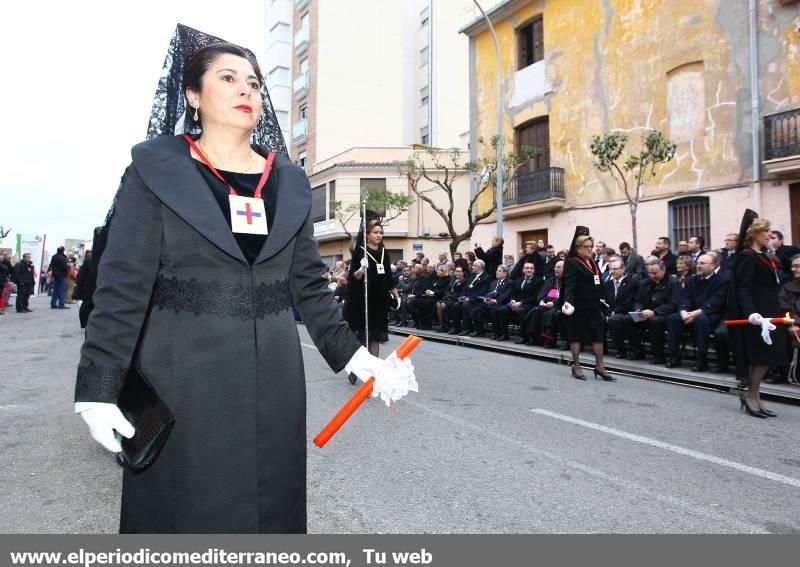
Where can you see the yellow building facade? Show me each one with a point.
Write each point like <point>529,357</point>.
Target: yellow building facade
<point>572,69</point>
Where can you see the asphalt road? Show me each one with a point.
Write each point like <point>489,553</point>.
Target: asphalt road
<point>491,444</point>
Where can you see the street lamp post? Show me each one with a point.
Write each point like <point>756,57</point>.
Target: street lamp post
<point>499,125</point>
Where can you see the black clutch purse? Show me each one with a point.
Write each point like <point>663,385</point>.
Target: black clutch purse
<point>149,415</point>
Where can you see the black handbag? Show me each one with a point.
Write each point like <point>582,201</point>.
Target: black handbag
<point>149,415</point>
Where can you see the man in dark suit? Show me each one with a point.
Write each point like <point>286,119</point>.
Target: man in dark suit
<point>476,286</point>
<point>634,263</point>
<point>702,305</point>
<point>658,299</point>
<point>663,253</point>
<point>696,247</point>
<point>621,291</point>
<point>783,253</point>
<point>545,270</point>
<point>405,283</point>
<point>546,320</point>
<point>728,253</point>
<point>499,294</point>
<point>522,300</point>
<point>529,254</point>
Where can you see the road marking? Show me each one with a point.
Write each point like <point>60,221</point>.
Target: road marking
<point>674,448</point>
<point>667,499</point>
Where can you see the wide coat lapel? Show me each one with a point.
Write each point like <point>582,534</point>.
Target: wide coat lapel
<point>167,168</point>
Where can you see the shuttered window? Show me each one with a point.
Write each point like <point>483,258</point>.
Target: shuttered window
<point>318,203</point>
<point>536,134</point>
<point>530,43</point>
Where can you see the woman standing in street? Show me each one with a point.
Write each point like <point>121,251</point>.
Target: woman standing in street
<point>583,291</point>
<point>209,244</point>
<point>754,296</point>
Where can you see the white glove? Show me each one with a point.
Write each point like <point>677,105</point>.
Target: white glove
<point>398,301</point>
<point>394,378</point>
<point>364,263</point>
<point>755,319</point>
<point>103,419</point>
<point>567,309</point>
<point>766,327</point>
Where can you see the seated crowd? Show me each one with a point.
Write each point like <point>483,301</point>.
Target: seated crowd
<point>660,303</point>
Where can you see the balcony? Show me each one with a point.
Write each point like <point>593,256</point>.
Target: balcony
<point>301,40</point>
<point>782,144</point>
<point>301,86</point>
<point>300,4</point>
<point>300,132</point>
<point>536,192</point>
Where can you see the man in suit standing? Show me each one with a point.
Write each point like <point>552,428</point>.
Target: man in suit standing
<point>784,253</point>
<point>728,253</point>
<point>702,305</point>
<point>26,282</point>
<point>634,263</point>
<point>476,286</point>
<point>499,294</point>
<point>658,299</point>
<point>696,247</point>
<point>663,253</point>
<point>621,291</point>
<point>522,300</point>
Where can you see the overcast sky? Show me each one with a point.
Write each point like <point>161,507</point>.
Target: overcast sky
<point>77,87</point>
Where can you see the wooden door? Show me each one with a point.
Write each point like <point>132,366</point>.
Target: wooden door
<point>536,134</point>
<point>531,236</point>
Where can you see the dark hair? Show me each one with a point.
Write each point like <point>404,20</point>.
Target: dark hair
<point>60,250</point>
<point>778,233</point>
<point>550,247</point>
<point>666,239</point>
<point>197,67</point>
<point>702,241</point>
<point>624,246</point>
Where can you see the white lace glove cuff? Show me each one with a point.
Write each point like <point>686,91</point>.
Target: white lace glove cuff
<point>567,309</point>
<point>394,378</point>
<point>766,327</point>
<point>103,419</point>
<point>755,319</point>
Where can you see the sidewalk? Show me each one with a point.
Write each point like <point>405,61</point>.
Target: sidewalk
<point>785,393</point>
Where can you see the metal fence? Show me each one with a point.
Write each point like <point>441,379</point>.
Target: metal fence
<point>536,186</point>
<point>782,134</point>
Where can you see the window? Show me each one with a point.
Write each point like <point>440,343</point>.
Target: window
<point>376,188</point>
<point>423,56</point>
<point>332,200</point>
<point>686,102</point>
<point>423,96</point>
<point>689,217</point>
<point>530,43</point>
<point>537,135</point>
<point>318,204</point>
<point>424,136</point>
<point>279,76</point>
<point>424,17</point>
<point>301,159</point>
<point>280,32</point>
<point>304,66</point>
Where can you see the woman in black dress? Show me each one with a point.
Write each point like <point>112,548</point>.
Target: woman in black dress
<point>374,260</point>
<point>754,296</point>
<point>433,294</point>
<point>582,293</point>
<point>445,307</point>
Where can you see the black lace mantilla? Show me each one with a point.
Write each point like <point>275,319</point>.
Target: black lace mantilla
<point>99,383</point>
<point>167,116</point>
<point>221,299</point>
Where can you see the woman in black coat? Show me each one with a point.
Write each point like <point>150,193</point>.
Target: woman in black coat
<point>431,296</point>
<point>583,291</point>
<point>754,289</point>
<point>493,257</point>
<point>444,308</point>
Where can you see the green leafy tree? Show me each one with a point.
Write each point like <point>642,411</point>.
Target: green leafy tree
<point>632,173</point>
<point>391,204</point>
<point>436,170</point>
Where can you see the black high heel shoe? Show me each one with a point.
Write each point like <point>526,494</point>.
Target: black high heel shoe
<point>750,411</point>
<point>768,413</point>
<point>576,375</point>
<point>607,377</point>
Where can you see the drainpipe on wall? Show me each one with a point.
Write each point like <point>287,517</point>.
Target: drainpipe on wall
<point>755,103</point>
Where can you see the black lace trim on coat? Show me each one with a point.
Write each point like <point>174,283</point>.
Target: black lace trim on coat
<point>338,350</point>
<point>99,383</point>
<point>221,299</point>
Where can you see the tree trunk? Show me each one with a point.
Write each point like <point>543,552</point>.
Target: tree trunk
<point>634,207</point>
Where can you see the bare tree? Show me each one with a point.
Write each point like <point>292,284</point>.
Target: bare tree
<point>391,204</point>
<point>607,151</point>
<point>436,170</point>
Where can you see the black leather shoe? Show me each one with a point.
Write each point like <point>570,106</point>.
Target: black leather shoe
<point>604,375</point>
<point>720,370</point>
<point>747,409</point>
<point>673,362</point>
<point>453,332</point>
<point>352,378</point>
<point>502,338</point>
<point>576,375</point>
<point>621,354</point>
<point>522,341</point>
<point>637,355</point>
<point>464,333</point>
<point>769,413</point>
<point>476,334</point>
<point>659,360</point>
<point>701,365</point>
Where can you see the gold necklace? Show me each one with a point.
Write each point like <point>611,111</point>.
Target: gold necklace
<point>216,166</point>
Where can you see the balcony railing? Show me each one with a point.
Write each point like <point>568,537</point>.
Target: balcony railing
<point>782,134</point>
<point>301,86</point>
<point>300,131</point>
<point>301,40</point>
<point>536,186</point>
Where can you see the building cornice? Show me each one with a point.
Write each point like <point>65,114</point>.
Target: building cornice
<point>499,12</point>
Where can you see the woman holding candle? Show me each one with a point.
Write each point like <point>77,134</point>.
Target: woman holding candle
<point>754,296</point>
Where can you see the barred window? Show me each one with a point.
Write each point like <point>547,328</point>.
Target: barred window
<point>689,217</point>
<point>318,203</point>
